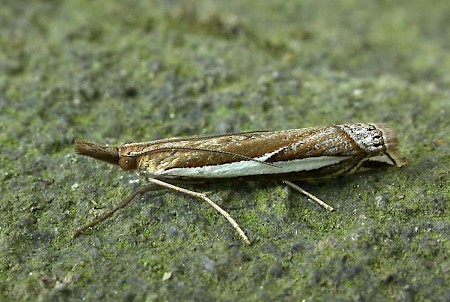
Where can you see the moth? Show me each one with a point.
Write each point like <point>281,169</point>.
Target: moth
<point>287,155</point>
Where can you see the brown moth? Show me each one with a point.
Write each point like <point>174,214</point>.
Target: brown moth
<point>296,154</point>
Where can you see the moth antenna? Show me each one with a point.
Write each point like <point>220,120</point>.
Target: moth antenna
<point>208,150</point>
<point>197,138</point>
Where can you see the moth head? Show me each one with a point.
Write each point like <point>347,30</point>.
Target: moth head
<point>106,154</point>
<point>128,163</point>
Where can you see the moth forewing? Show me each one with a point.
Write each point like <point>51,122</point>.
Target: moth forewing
<point>299,153</point>
<point>296,154</point>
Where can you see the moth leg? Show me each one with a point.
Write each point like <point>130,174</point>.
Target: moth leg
<point>317,200</point>
<point>109,213</point>
<point>209,201</point>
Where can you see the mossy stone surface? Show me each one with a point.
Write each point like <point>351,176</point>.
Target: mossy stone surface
<point>115,72</point>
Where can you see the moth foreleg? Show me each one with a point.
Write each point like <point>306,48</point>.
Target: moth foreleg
<point>111,212</point>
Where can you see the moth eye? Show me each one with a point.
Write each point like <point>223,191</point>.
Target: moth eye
<point>128,163</point>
